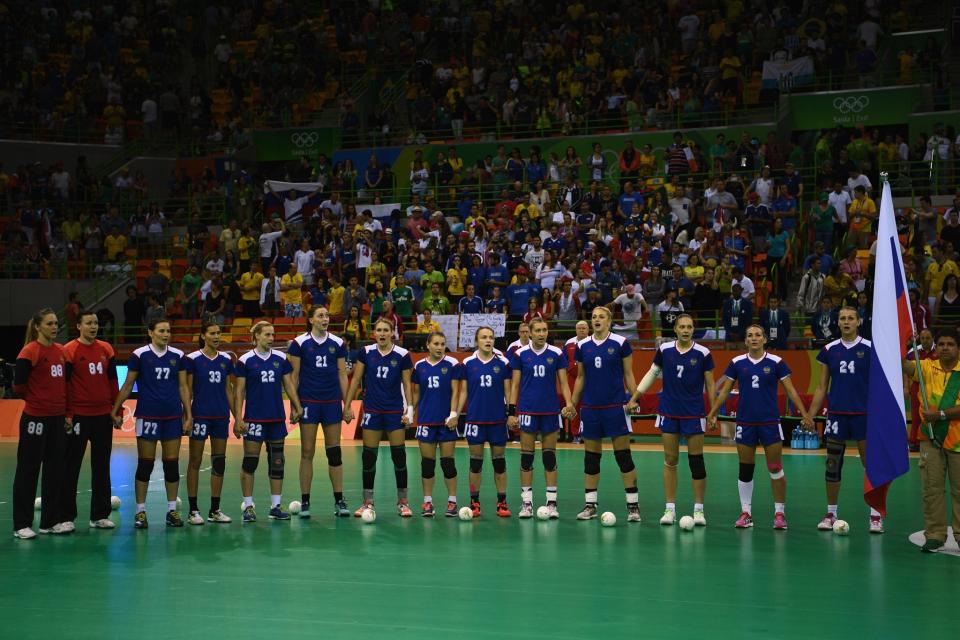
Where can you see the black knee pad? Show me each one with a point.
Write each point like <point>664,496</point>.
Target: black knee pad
<point>171,470</point>
<point>449,467</point>
<point>276,460</point>
<point>218,462</point>
<point>250,463</point>
<point>835,451</point>
<point>591,462</point>
<point>624,460</point>
<point>476,464</point>
<point>399,457</point>
<point>144,469</point>
<point>526,461</point>
<point>549,460</point>
<point>369,458</point>
<point>746,472</point>
<point>334,456</point>
<point>499,464</point>
<point>428,467</point>
<point>698,470</point>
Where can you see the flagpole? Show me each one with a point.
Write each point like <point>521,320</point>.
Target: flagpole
<point>923,390</point>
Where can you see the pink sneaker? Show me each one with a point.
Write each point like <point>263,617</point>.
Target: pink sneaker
<point>827,523</point>
<point>876,524</point>
<point>745,521</point>
<point>780,522</point>
<point>403,509</point>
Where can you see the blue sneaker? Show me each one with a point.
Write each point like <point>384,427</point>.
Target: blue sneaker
<point>304,510</point>
<point>276,513</point>
<point>249,515</point>
<point>340,509</point>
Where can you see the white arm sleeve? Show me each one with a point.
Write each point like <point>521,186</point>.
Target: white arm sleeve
<point>648,379</point>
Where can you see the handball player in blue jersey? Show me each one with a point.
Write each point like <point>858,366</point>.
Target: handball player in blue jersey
<point>604,372</point>
<point>263,374</point>
<point>211,379</point>
<point>162,414</point>
<point>757,375</point>
<point>486,385</point>
<point>845,371</point>
<point>537,370</point>
<point>436,389</point>
<point>687,371</point>
<point>385,369</point>
<point>319,361</point>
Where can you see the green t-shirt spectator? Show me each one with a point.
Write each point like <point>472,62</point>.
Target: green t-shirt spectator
<point>821,218</point>
<point>438,305</point>
<point>403,301</point>
<point>428,279</point>
<point>190,286</point>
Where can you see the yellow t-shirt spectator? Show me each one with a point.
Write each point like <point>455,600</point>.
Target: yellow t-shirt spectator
<point>115,246</point>
<point>861,212</point>
<point>335,300</point>
<point>252,280</point>
<point>729,67</point>
<point>295,295</point>
<point>243,247</point>
<point>937,273</point>
<point>456,280</point>
<point>72,230</point>
<point>428,327</point>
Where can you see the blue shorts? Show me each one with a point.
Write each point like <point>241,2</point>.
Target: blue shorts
<point>150,429</point>
<point>754,434</point>
<point>845,427</point>
<point>495,434</point>
<point>322,412</point>
<point>682,426</point>
<point>435,433</point>
<point>212,428</point>
<point>596,424</point>
<point>266,431</point>
<point>539,424</point>
<point>381,421</point>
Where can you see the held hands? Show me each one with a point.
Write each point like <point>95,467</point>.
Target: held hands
<point>348,414</point>
<point>68,425</point>
<point>452,420</point>
<point>806,422</point>
<point>240,428</point>
<point>712,421</point>
<point>512,422</point>
<point>295,414</point>
<point>117,419</point>
<point>568,412</point>
<point>632,406</point>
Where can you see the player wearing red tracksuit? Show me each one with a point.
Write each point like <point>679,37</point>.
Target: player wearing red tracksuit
<point>91,390</point>
<point>39,380</point>
<point>570,349</point>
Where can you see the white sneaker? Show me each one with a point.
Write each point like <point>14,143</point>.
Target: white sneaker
<point>58,529</point>
<point>876,524</point>
<point>25,534</point>
<point>103,523</point>
<point>195,518</point>
<point>526,511</point>
<point>219,517</point>
<point>669,516</point>
<point>68,527</point>
<point>552,510</point>
<point>699,519</point>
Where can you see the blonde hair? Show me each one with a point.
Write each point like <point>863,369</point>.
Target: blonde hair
<point>258,328</point>
<point>606,311</point>
<point>33,324</point>
<point>387,322</point>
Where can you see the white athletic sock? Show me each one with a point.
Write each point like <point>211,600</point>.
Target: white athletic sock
<point>551,494</point>
<point>592,496</point>
<point>779,507</point>
<point>452,499</point>
<point>274,499</point>
<point>247,501</point>
<point>633,498</point>
<point>698,506</point>
<point>874,512</point>
<point>526,494</point>
<point>671,506</point>
<point>141,507</point>
<point>171,505</point>
<point>832,508</point>
<point>746,495</point>
<point>428,499</point>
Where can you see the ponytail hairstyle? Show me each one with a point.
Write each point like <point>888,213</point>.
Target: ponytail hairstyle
<point>310,313</point>
<point>257,328</point>
<point>538,320</point>
<point>387,322</point>
<point>479,329</point>
<point>435,334</point>
<point>203,329</point>
<point>33,324</point>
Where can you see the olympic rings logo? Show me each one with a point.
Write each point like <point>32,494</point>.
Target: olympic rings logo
<point>304,139</point>
<point>851,104</point>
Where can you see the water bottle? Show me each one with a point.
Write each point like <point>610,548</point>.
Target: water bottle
<point>795,438</point>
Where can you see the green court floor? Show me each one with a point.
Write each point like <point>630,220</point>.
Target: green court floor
<point>490,578</point>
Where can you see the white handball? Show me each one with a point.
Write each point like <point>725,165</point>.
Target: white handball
<point>295,507</point>
<point>369,516</point>
<point>179,503</point>
<point>543,513</point>
<point>686,523</point>
<point>607,519</point>
<point>841,527</point>
<point>37,504</point>
<point>465,513</point>
<point>114,502</point>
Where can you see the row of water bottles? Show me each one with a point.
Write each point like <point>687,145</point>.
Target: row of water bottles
<point>803,439</point>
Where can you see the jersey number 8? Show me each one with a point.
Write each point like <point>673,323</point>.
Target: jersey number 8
<point>35,428</point>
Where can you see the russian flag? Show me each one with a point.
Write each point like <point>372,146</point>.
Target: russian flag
<point>887,456</point>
